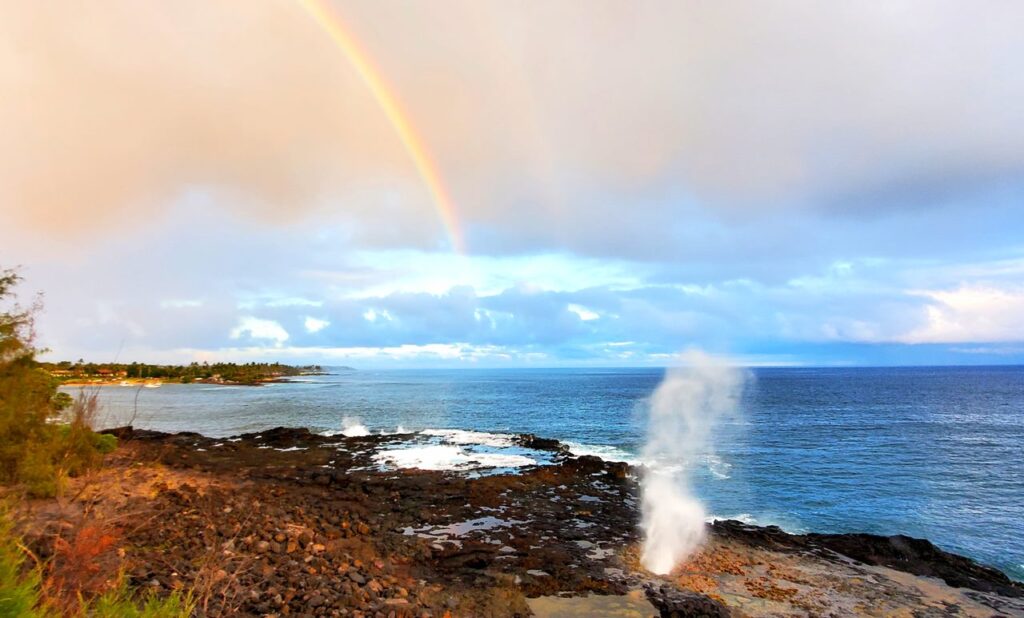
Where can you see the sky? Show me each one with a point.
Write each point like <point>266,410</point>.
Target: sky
<point>490,184</point>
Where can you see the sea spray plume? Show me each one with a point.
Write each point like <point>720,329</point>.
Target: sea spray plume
<point>683,412</point>
<point>352,427</point>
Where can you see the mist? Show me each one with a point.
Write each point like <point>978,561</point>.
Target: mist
<point>683,412</point>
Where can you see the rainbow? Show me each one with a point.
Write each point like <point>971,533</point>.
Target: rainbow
<point>329,20</point>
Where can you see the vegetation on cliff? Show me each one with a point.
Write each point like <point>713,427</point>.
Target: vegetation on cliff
<point>221,373</point>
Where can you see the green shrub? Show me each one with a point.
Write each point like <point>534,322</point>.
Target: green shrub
<point>25,407</point>
<point>104,442</point>
<point>121,604</point>
<point>38,474</point>
<point>34,452</point>
<point>76,443</point>
<point>61,401</point>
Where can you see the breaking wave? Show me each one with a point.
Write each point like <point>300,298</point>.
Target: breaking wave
<point>350,428</point>
<point>607,453</point>
<point>463,449</point>
<point>449,457</point>
<point>462,436</point>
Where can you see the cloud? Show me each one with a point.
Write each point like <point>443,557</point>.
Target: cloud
<point>116,112</point>
<point>584,314</point>
<point>448,352</point>
<point>754,178</point>
<point>997,350</point>
<point>372,315</point>
<point>971,313</point>
<point>547,121</point>
<point>314,325</point>
<point>292,302</point>
<point>257,328</point>
<point>387,300</point>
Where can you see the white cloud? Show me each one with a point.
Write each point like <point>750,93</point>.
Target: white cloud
<point>294,302</point>
<point>315,325</point>
<point>996,350</point>
<point>971,313</point>
<point>584,314</point>
<point>372,315</point>
<point>405,352</point>
<point>552,131</point>
<point>258,328</point>
<point>412,272</point>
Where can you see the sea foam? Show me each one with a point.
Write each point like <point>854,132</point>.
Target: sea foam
<point>449,457</point>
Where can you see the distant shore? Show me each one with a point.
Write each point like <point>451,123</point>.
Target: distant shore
<point>304,523</point>
<point>82,373</point>
<point>136,382</point>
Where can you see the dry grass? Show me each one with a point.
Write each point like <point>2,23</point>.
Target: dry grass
<point>85,564</point>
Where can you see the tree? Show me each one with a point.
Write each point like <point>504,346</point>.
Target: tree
<point>26,397</point>
<point>35,453</point>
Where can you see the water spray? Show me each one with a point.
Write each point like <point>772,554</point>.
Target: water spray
<point>683,412</point>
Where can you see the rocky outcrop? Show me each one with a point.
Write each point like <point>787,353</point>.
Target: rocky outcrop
<point>899,552</point>
<point>675,603</point>
<point>307,524</point>
<point>528,440</point>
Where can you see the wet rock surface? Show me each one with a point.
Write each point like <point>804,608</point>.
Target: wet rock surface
<point>287,522</point>
<point>899,552</point>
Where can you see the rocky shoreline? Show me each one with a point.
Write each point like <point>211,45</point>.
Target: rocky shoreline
<point>287,522</point>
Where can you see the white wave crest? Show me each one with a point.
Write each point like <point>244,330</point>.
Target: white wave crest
<point>718,467</point>
<point>350,428</point>
<point>448,457</point>
<point>745,518</point>
<point>607,453</point>
<point>764,519</point>
<point>355,431</point>
<point>461,436</point>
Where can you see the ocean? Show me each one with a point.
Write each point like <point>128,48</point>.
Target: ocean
<point>936,453</point>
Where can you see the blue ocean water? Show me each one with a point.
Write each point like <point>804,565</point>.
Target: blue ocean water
<point>930,452</point>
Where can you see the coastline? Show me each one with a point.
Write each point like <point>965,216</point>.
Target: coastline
<point>144,382</point>
<point>82,374</point>
<point>299,522</point>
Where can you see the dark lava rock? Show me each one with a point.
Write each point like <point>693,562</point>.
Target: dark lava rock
<point>471,558</point>
<point>528,440</point>
<point>357,524</point>
<point>589,464</point>
<point>281,436</point>
<point>356,577</point>
<point>675,603</point>
<point>130,433</point>
<point>121,433</point>
<point>899,552</point>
